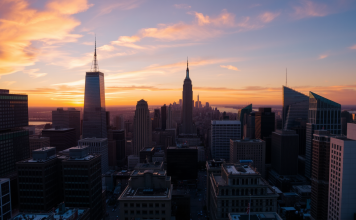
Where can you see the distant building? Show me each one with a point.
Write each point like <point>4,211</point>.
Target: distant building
<point>249,126</point>
<point>82,181</point>
<point>163,117</point>
<point>169,120</point>
<point>158,156</point>
<point>61,138</point>
<point>207,104</point>
<point>148,195</point>
<point>39,181</point>
<point>320,174</point>
<point>201,154</point>
<point>156,119</point>
<point>212,167</point>
<point>187,106</point>
<point>37,142</point>
<point>221,133</point>
<point>264,122</point>
<point>14,144</point>
<point>5,199</point>
<point>249,149</point>
<point>242,114</point>
<point>119,122</point>
<point>142,135</point>
<point>67,119</point>
<point>324,114</point>
<point>285,152</point>
<point>182,163</point>
<point>342,203</point>
<point>120,141</point>
<point>235,187</point>
<point>97,146</point>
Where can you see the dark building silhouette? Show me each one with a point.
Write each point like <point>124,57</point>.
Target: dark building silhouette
<point>249,125</point>
<point>142,134</point>
<point>146,154</point>
<point>264,126</point>
<point>323,114</point>
<point>187,106</point>
<point>285,152</point>
<point>182,163</point>
<point>14,144</point>
<point>295,106</point>
<point>163,117</point>
<point>346,117</point>
<point>82,181</point>
<point>320,174</point>
<point>120,139</point>
<point>39,181</point>
<point>69,118</point>
<point>242,114</point>
<point>61,138</point>
<point>156,119</point>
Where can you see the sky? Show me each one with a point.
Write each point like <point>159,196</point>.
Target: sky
<point>238,51</point>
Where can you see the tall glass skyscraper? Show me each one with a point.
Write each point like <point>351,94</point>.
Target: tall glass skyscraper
<point>242,112</point>
<point>295,106</point>
<point>323,114</point>
<point>94,116</point>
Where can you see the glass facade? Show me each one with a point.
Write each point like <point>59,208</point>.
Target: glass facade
<point>323,114</point>
<point>94,117</point>
<point>242,112</point>
<point>295,106</point>
<point>14,111</point>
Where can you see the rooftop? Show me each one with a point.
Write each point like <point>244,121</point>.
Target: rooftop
<point>154,172</point>
<point>58,129</point>
<point>149,166</point>
<point>225,122</point>
<point>237,169</point>
<point>255,216</point>
<point>33,216</point>
<point>93,139</point>
<point>69,213</point>
<point>247,140</point>
<point>145,193</point>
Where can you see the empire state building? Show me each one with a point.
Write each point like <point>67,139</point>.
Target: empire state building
<point>187,107</point>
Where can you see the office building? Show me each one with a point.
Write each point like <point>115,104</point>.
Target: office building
<point>242,113</point>
<point>69,118</point>
<point>264,126</point>
<point>323,114</point>
<point>37,142</point>
<point>5,199</point>
<point>295,106</point>
<point>169,122</point>
<point>342,202</point>
<point>237,185</point>
<point>249,126</point>
<point>158,156</point>
<point>14,145</point>
<point>249,149</point>
<point>187,106</point>
<point>119,122</point>
<point>82,181</point>
<point>163,117</point>
<point>221,133</point>
<point>285,152</point>
<point>212,167</point>
<point>320,174</point>
<point>182,163</point>
<point>120,141</point>
<point>94,115</point>
<point>156,119</point>
<point>142,134</point>
<point>146,154</point>
<point>147,195</point>
<point>39,181</point>
<point>61,138</point>
<point>98,146</point>
<point>132,161</point>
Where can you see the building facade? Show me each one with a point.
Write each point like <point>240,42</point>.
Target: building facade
<point>249,149</point>
<point>61,138</point>
<point>37,142</point>
<point>120,140</point>
<point>221,133</point>
<point>69,118</point>
<point>323,114</point>
<point>142,134</point>
<point>295,106</point>
<point>148,195</point>
<point>98,146</point>
<point>5,199</point>
<point>182,163</point>
<point>187,106</point>
<point>237,185</point>
<point>242,114</point>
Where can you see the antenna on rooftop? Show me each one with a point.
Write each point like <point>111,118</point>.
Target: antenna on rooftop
<point>286,77</point>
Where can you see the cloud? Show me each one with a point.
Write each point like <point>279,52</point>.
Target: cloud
<point>323,56</point>
<point>88,43</point>
<point>121,5</point>
<point>353,47</point>
<point>33,73</point>
<point>20,25</point>
<point>310,9</point>
<point>268,16</point>
<point>229,67</point>
<point>182,6</point>
<point>9,82</point>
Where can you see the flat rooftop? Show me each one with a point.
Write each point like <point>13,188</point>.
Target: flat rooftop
<point>149,166</point>
<point>33,216</point>
<point>146,193</point>
<point>69,213</point>
<point>225,122</point>
<point>255,216</point>
<point>246,140</point>
<point>93,139</point>
<point>154,172</point>
<point>58,129</point>
<point>239,169</point>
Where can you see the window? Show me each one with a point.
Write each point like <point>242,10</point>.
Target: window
<point>144,205</point>
<point>125,204</point>
<point>137,205</point>
<point>144,212</point>
<point>151,205</point>
<point>157,205</point>
<point>163,212</point>
<point>163,205</point>
<point>132,212</point>
<point>126,212</point>
<point>138,212</point>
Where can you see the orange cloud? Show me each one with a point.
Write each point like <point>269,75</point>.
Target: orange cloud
<point>310,9</point>
<point>268,16</point>
<point>20,25</point>
<point>33,73</point>
<point>353,47</point>
<point>229,67</point>
<point>323,56</point>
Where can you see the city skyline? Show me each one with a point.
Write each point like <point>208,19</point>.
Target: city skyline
<point>238,52</point>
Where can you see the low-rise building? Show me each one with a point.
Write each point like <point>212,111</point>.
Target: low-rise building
<point>235,188</point>
<point>147,196</point>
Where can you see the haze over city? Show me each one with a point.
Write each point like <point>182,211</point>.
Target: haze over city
<point>238,50</point>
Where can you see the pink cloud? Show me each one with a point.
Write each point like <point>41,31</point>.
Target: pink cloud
<point>323,56</point>
<point>268,16</point>
<point>229,67</point>
<point>310,9</point>
<point>353,47</point>
<point>182,6</point>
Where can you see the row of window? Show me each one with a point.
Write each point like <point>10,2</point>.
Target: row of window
<point>144,205</point>
<point>145,212</point>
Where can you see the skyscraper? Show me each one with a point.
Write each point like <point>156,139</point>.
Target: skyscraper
<point>163,117</point>
<point>187,108</point>
<point>119,122</point>
<point>295,106</point>
<point>169,122</point>
<point>241,115</point>
<point>264,126</point>
<point>69,118</point>
<point>94,116</point>
<point>323,114</point>
<point>142,127</point>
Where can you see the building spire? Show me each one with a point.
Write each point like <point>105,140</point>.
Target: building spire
<point>187,72</point>
<point>95,65</point>
<point>286,78</point>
